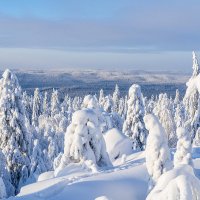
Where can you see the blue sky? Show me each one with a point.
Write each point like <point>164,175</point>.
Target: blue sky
<point>106,34</point>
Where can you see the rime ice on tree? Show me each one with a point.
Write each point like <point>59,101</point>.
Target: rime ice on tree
<point>84,141</point>
<point>14,138</point>
<point>134,126</point>
<point>157,151</point>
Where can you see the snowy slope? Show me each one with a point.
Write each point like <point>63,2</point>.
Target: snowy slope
<point>123,181</point>
<point>127,180</point>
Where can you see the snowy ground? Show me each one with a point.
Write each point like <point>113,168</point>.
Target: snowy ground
<point>123,181</point>
<point>127,180</point>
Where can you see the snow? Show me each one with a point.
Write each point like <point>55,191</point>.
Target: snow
<point>46,176</point>
<point>117,144</point>
<point>178,183</point>
<point>125,181</point>
<point>130,176</point>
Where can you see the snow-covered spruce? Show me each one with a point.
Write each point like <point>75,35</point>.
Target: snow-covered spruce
<point>179,115</point>
<point>184,147</point>
<point>179,183</point>
<point>45,105</point>
<point>191,100</point>
<point>116,98</point>
<point>164,111</point>
<point>37,107</point>
<point>37,161</point>
<point>84,141</point>
<point>14,138</point>
<point>134,126</point>
<point>104,119</point>
<point>54,103</point>
<point>158,159</point>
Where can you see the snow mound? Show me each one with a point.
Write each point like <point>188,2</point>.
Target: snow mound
<point>117,144</point>
<point>179,183</point>
<point>46,176</point>
<point>130,177</point>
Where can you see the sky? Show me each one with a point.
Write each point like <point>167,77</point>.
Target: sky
<point>99,34</point>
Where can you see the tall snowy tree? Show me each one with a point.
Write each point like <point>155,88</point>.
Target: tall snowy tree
<point>134,126</point>
<point>28,103</point>
<point>37,161</point>
<point>116,98</point>
<point>191,99</point>
<point>14,138</point>
<point>164,111</point>
<point>179,116</point>
<point>101,98</point>
<point>177,97</point>
<point>45,104</point>
<point>195,65</point>
<point>54,103</point>
<point>37,107</point>
<point>157,152</point>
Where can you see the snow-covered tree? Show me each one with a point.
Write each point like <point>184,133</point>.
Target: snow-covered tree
<point>14,138</point>
<point>37,107</point>
<point>195,65</point>
<point>84,141</point>
<point>104,118</point>
<point>164,111</point>
<point>150,105</point>
<point>116,98</point>
<point>101,98</point>
<point>45,105</point>
<point>183,149</point>
<point>54,103</point>
<point>134,126</point>
<point>191,99</point>
<point>76,104</point>
<point>64,105</point>
<point>179,116</point>
<point>158,159</point>
<point>37,162</point>
<point>177,97</point>
<point>179,183</point>
<point>108,104</point>
<point>28,103</point>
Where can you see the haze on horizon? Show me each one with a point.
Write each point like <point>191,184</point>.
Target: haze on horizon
<point>114,34</point>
